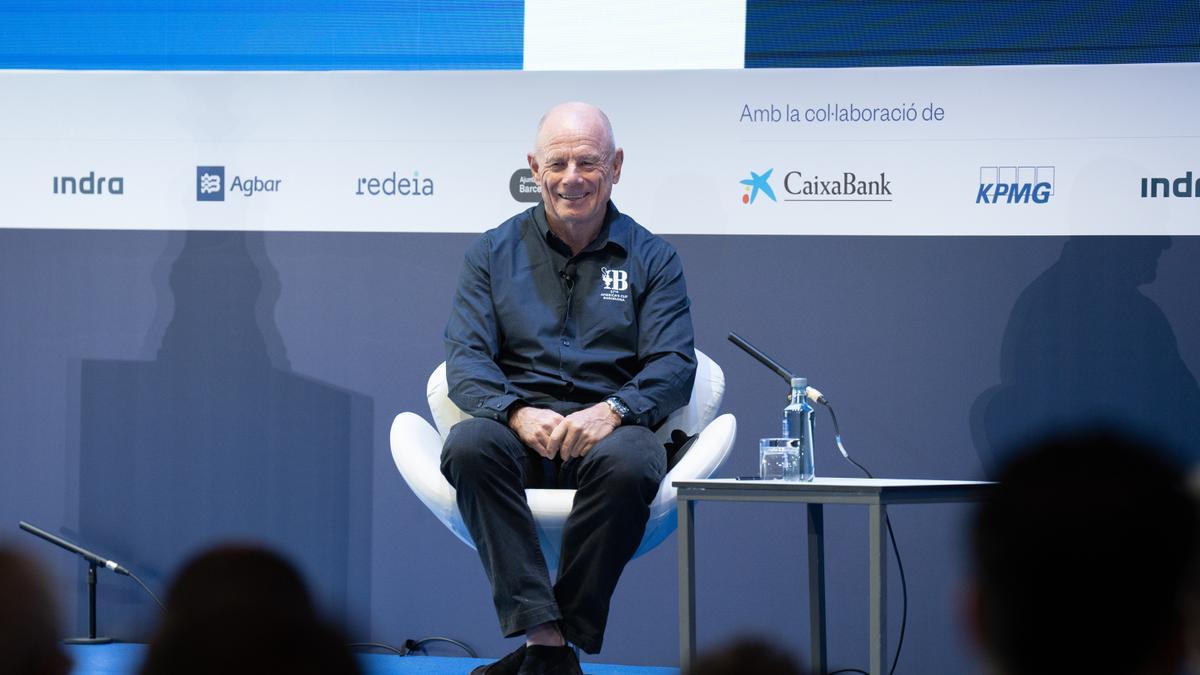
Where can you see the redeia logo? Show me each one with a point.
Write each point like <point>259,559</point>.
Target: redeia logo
<point>395,186</point>
<point>757,183</point>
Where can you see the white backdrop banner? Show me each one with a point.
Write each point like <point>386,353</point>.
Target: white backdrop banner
<point>1012,150</point>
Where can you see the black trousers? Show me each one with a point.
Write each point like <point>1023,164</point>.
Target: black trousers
<point>615,482</point>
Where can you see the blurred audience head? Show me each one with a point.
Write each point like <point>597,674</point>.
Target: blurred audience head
<point>746,656</point>
<point>29,628</point>
<point>243,609</point>
<point>1082,558</point>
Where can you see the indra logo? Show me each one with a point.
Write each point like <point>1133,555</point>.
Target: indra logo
<point>1015,184</point>
<point>91,184</point>
<point>1183,186</point>
<point>211,187</point>
<point>757,182</point>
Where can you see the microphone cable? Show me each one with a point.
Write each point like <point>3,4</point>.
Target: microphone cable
<point>143,585</point>
<point>887,519</point>
<point>413,646</point>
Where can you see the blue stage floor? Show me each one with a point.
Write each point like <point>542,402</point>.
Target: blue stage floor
<point>123,659</point>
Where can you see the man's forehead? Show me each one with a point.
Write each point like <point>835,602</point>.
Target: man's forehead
<point>567,126</point>
<point>572,135</point>
<point>572,146</point>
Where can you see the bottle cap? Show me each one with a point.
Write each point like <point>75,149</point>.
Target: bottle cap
<point>801,382</point>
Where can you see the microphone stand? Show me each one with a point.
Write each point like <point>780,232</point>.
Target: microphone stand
<point>93,562</point>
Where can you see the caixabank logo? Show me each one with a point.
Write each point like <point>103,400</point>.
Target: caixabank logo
<point>211,186</point>
<point>800,186</point>
<point>1015,184</point>
<point>755,184</point>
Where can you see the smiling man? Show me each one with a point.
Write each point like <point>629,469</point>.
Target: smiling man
<point>570,339</point>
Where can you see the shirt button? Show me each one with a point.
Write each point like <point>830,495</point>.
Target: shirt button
<point>566,343</point>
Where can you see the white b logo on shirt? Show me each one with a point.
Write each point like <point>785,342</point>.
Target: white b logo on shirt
<point>614,280</point>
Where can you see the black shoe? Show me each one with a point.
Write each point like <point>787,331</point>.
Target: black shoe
<point>543,660</point>
<point>509,665</point>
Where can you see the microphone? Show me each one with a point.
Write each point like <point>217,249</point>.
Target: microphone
<point>568,278</point>
<point>811,392</point>
<point>78,550</point>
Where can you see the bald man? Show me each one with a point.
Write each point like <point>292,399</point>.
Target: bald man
<point>570,339</point>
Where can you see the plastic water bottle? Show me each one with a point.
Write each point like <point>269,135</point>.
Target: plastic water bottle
<point>798,424</point>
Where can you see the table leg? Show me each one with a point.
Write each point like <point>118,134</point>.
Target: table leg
<point>816,586</point>
<point>687,583</point>
<point>878,588</point>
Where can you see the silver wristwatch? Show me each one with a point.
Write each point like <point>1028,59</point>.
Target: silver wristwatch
<point>618,406</point>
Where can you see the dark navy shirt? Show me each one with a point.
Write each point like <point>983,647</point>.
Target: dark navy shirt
<point>531,323</point>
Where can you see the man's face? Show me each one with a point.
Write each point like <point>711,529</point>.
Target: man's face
<point>576,169</point>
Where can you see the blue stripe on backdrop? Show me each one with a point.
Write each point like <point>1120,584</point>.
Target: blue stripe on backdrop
<point>262,34</point>
<point>832,33</point>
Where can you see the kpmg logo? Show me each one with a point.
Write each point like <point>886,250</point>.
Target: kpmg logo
<point>210,183</point>
<point>91,184</point>
<point>1015,184</point>
<point>394,186</point>
<point>1183,186</point>
<point>757,182</point>
<point>523,186</point>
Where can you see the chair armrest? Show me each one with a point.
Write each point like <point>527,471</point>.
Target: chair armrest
<point>417,450</point>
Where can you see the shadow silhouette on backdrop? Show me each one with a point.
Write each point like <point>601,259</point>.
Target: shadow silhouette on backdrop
<point>216,438</point>
<point>1082,345</point>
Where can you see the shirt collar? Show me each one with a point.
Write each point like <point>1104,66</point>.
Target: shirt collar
<point>615,229</point>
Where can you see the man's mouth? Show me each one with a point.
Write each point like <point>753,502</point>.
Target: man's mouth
<point>572,198</point>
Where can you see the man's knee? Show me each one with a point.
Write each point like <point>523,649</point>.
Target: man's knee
<point>474,445</point>
<point>631,457</point>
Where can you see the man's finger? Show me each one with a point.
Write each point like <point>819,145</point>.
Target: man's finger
<point>570,440</point>
<point>556,440</point>
<point>538,443</point>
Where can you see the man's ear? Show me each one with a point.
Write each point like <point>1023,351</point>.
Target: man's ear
<point>533,164</point>
<point>618,160</point>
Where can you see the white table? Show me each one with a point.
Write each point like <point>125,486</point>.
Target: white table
<point>875,493</point>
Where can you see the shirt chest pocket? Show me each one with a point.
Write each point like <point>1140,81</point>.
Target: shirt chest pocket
<point>606,310</point>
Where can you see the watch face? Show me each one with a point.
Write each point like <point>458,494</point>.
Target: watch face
<point>618,407</point>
